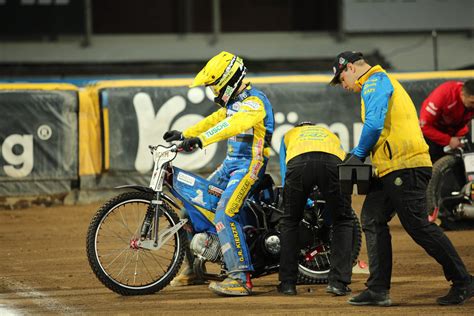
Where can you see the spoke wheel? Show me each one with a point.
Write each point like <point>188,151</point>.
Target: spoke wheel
<point>114,246</point>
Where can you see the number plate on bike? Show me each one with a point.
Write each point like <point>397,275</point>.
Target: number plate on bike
<point>469,162</point>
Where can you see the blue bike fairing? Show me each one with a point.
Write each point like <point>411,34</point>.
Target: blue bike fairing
<point>196,192</point>
<point>375,93</point>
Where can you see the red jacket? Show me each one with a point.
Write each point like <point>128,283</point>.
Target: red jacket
<point>443,114</point>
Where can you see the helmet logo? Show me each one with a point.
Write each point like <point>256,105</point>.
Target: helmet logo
<point>227,94</point>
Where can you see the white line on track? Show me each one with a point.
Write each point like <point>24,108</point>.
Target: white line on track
<point>43,300</point>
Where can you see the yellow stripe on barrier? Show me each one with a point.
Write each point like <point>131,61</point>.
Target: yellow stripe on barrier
<point>38,86</point>
<point>106,131</point>
<point>179,82</point>
<point>90,133</point>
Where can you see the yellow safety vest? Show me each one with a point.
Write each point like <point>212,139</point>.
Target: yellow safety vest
<point>310,138</point>
<point>401,144</point>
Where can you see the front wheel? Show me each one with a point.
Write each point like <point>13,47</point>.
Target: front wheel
<point>114,251</point>
<point>314,262</point>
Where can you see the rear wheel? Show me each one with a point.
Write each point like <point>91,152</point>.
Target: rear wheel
<point>314,261</point>
<point>114,251</point>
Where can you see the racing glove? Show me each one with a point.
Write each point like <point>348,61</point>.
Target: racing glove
<point>189,144</point>
<point>170,136</point>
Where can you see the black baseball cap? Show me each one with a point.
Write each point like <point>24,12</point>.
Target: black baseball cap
<point>340,64</point>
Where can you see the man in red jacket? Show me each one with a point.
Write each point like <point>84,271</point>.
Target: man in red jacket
<point>445,115</point>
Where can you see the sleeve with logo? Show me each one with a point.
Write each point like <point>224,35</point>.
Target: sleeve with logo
<point>205,124</point>
<point>376,93</point>
<point>251,112</point>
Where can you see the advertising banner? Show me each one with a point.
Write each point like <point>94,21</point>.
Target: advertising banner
<point>138,116</point>
<point>38,139</point>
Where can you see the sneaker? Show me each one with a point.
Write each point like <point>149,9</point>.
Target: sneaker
<point>369,297</point>
<point>457,295</point>
<point>186,277</point>
<point>287,288</point>
<point>338,290</point>
<point>230,287</point>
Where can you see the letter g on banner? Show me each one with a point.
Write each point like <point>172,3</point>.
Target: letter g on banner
<point>23,158</point>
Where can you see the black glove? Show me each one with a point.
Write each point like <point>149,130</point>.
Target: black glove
<point>170,136</point>
<point>189,144</point>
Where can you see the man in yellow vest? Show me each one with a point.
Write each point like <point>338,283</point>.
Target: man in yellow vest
<point>309,156</point>
<point>393,138</point>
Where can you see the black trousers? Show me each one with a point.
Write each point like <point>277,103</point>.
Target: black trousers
<point>303,173</point>
<point>403,192</point>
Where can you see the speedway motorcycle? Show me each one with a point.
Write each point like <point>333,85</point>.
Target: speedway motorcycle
<point>450,192</point>
<point>136,242</point>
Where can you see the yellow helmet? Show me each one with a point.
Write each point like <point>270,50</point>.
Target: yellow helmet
<point>224,74</point>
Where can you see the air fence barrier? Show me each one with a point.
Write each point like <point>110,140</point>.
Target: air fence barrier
<point>59,142</point>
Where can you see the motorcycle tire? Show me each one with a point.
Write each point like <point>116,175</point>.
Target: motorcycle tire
<point>318,273</point>
<point>113,248</point>
<point>448,176</point>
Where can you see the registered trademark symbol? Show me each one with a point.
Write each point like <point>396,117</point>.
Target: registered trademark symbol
<point>44,132</point>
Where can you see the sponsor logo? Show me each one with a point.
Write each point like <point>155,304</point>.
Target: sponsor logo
<point>431,111</point>
<point>252,104</point>
<point>185,178</point>
<point>217,129</point>
<point>235,233</point>
<point>367,91</point>
<point>432,105</point>
<point>232,182</point>
<point>219,227</point>
<point>255,170</point>
<point>215,190</point>
<point>259,149</point>
<point>236,202</point>
<point>341,61</point>
<point>236,107</point>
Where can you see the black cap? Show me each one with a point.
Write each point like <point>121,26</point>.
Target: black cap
<point>340,63</point>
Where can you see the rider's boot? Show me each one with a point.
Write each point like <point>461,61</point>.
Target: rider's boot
<point>187,275</point>
<point>236,284</point>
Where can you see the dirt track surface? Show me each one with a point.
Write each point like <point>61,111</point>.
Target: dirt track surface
<point>44,270</point>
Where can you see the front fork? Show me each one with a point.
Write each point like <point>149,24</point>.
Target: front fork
<point>153,214</point>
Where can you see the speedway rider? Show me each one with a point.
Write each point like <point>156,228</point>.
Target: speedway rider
<point>246,120</point>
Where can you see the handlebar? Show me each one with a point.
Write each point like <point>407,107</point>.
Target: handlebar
<point>173,148</point>
<point>447,149</point>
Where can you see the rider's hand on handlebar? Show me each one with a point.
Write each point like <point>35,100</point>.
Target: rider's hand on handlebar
<point>189,144</point>
<point>170,136</point>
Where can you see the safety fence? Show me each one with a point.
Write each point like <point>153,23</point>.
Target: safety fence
<point>59,138</point>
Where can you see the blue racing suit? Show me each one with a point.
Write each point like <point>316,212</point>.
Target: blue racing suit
<point>247,123</point>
